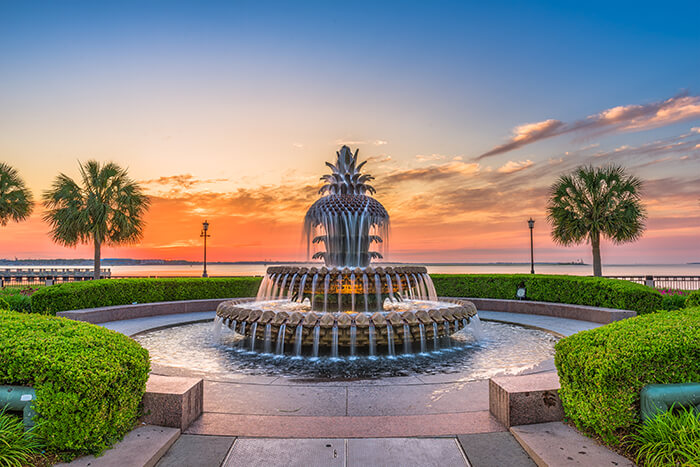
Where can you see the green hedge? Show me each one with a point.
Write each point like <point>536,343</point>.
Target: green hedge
<point>89,380</point>
<point>603,370</point>
<point>108,292</point>
<point>693,299</point>
<point>577,290</point>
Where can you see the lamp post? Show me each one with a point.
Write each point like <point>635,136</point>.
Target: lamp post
<point>204,234</point>
<point>531,224</point>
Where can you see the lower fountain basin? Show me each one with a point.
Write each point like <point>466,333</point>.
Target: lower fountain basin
<point>408,323</point>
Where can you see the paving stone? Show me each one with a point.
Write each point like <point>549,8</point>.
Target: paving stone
<point>404,452</point>
<point>494,450</point>
<point>563,326</point>
<point>196,450</point>
<point>560,445</point>
<point>287,453</point>
<point>143,446</point>
<point>418,399</point>
<point>274,400</point>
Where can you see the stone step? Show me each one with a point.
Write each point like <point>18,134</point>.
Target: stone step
<point>525,399</point>
<point>558,445</point>
<point>281,426</point>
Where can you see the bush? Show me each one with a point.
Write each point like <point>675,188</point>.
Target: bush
<point>89,381</point>
<point>577,290</point>
<point>108,292</point>
<point>602,371</point>
<point>671,438</point>
<point>670,302</point>
<point>693,299</point>
<point>16,445</point>
<point>16,298</point>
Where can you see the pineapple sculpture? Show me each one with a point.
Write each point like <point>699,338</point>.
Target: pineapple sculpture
<point>344,223</point>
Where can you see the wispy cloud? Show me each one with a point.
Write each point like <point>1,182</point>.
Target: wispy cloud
<point>515,166</point>
<point>620,118</point>
<point>431,157</point>
<point>181,181</point>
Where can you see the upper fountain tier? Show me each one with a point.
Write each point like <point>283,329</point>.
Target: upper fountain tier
<point>343,224</point>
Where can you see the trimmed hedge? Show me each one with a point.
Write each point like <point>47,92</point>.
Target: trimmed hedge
<point>602,371</point>
<point>108,292</point>
<point>89,381</point>
<point>693,299</point>
<point>576,290</point>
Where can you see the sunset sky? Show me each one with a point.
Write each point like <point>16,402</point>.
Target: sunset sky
<point>227,111</point>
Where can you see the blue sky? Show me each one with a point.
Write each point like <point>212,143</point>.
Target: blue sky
<point>257,95</point>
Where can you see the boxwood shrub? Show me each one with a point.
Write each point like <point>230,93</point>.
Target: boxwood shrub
<point>108,292</point>
<point>693,299</point>
<point>577,290</point>
<point>602,371</point>
<point>89,381</point>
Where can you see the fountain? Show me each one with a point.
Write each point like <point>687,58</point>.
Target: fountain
<point>347,304</point>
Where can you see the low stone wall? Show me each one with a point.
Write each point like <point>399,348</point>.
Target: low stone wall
<point>142,310</point>
<point>557,310</point>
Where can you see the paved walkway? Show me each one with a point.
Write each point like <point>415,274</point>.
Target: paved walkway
<point>489,450</point>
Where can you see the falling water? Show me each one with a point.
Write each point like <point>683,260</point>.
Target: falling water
<point>313,290</point>
<point>233,326</point>
<point>353,339</point>
<point>281,291</point>
<point>242,333</point>
<point>326,284</point>
<point>421,330</point>
<point>302,286</point>
<point>476,327</point>
<point>297,340</point>
<point>291,286</point>
<point>406,339</point>
<point>216,329</point>
<point>273,290</point>
<point>267,347</point>
<point>372,343</point>
<point>456,323</point>
<point>398,282</point>
<point>352,291</point>
<point>365,290</point>
<point>390,288</point>
<point>432,294</point>
<point>317,338</point>
<point>263,288</point>
<point>334,347</point>
<point>340,292</point>
<point>390,338</point>
<point>420,288</point>
<point>436,342</point>
<point>280,340</point>
<point>253,332</point>
<point>378,291</point>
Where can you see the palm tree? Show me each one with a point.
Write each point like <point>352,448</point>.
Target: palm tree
<point>107,209</point>
<point>594,201</point>
<point>16,201</point>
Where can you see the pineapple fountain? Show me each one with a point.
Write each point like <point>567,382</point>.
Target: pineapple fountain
<point>347,306</point>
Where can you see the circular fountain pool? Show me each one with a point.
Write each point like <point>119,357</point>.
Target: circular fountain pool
<point>196,349</point>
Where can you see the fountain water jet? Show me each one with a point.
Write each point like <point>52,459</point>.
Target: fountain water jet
<point>347,229</point>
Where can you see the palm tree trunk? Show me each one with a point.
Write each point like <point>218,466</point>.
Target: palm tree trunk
<point>97,259</point>
<point>595,243</point>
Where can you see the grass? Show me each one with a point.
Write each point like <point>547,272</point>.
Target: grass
<point>671,438</point>
<point>17,447</point>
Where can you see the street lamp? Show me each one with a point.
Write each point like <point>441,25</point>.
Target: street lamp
<point>204,234</point>
<point>531,224</point>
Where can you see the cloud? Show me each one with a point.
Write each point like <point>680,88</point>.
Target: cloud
<point>431,157</point>
<point>380,142</point>
<point>345,142</point>
<point>181,181</point>
<point>298,145</point>
<point>515,166</point>
<point>526,134</point>
<point>619,118</point>
<point>434,172</point>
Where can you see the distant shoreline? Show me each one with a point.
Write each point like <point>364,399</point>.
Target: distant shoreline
<point>155,262</point>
